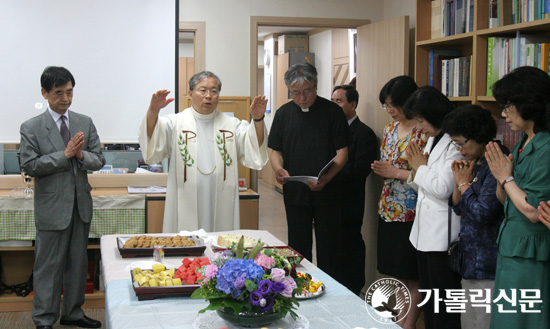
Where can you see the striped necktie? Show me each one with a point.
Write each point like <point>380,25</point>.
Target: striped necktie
<point>64,130</point>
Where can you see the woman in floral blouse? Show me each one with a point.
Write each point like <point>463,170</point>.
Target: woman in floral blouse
<point>396,255</point>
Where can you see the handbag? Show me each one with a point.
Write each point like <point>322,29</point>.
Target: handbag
<point>454,256</point>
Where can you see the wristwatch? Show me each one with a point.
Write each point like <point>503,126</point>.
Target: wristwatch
<point>507,180</point>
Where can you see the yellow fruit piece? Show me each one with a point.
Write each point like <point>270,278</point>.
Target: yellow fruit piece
<point>153,283</point>
<point>162,283</point>
<point>169,282</point>
<point>142,281</point>
<point>138,276</point>
<point>136,270</point>
<point>172,272</point>
<point>157,268</point>
<point>176,282</point>
<point>146,284</point>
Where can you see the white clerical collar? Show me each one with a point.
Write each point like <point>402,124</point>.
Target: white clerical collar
<point>305,110</point>
<point>351,120</point>
<point>198,115</point>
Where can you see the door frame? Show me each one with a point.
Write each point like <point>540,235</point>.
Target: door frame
<point>255,21</point>
<point>199,29</point>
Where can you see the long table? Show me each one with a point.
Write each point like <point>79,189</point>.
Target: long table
<point>338,307</point>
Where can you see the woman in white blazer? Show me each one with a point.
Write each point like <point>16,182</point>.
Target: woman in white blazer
<point>432,177</point>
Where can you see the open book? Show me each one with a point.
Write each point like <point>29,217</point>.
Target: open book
<point>305,179</point>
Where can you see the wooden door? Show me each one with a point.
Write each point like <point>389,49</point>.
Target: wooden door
<point>186,71</point>
<point>383,53</point>
<point>340,57</point>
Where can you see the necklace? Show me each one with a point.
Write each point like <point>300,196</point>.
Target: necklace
<point>206,174</point>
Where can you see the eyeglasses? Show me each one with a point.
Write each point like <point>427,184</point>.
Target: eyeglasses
<point>212,92</point>
<point>306,92</point>
<point>505,108</point>
<point>388,107</point>
<point>459,146</point>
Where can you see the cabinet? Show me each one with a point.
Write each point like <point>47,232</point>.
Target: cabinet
<point>16,264</point>
<point>471,44</point>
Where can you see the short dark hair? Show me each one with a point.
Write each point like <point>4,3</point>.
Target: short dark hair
<point>528,88</point>
<point>351,93</point>
<point>54,76</point>
<point>471,121</point>
<point>301,72</point>
<point>195,79</point>
<point>399,89</point>
<point>430,104</point>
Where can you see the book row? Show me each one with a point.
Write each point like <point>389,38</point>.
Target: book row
<point>450,17</point>
<point>506,12</point>
<point>449,72</point>
<point>506,54</point>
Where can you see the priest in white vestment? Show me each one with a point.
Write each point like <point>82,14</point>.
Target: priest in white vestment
<point>203,145</point>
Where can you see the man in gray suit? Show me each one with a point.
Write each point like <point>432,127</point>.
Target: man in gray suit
<point>62,200</point>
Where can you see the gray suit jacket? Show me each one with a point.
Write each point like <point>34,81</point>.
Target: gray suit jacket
<point>59,181</point>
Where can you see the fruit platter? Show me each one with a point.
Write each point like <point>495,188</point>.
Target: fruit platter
<point>313,287</point>
<point>144,245</point>
<point>286,251</point>
<point>162,282</point>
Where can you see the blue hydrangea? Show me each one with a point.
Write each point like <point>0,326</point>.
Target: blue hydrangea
<point>234,269</point>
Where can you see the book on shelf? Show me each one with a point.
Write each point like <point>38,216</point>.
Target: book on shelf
<point>519,11</point>
<point>493,13</point>
<point>436,19</point>
<point>457,16</point>
<point>470,15</point>
<point>455,77</point>
<point>506,54</point>
<point>435,56</point>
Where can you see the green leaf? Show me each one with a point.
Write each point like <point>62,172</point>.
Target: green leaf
<point>198,294</point>
<point>214,305</point>
<point>240,248</point>
<point>234,304</point>
<point>250,285</point>
<point>255,250</point>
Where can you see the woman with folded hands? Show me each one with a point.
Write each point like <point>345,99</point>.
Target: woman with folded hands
<point>523,180</point>
<point>471,128</point>
<point>432,177</point>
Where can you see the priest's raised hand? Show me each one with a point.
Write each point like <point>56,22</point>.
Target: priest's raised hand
<point>158,102</point>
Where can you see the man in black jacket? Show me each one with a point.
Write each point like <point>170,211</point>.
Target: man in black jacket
<point>362,151</point>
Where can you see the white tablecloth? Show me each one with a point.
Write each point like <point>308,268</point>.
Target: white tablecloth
<point>338,307</point>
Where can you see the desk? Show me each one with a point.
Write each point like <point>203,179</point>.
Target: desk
<point>337,308</point>
<point>112,214</point>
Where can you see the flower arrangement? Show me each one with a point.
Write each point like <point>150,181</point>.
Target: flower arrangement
<point>255,281</point>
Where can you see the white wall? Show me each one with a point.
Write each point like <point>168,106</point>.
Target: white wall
<point>321,45</point>
<point>396,8</point>
<point>228,29</point>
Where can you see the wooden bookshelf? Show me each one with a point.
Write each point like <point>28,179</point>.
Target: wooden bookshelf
<point>470,44</point>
